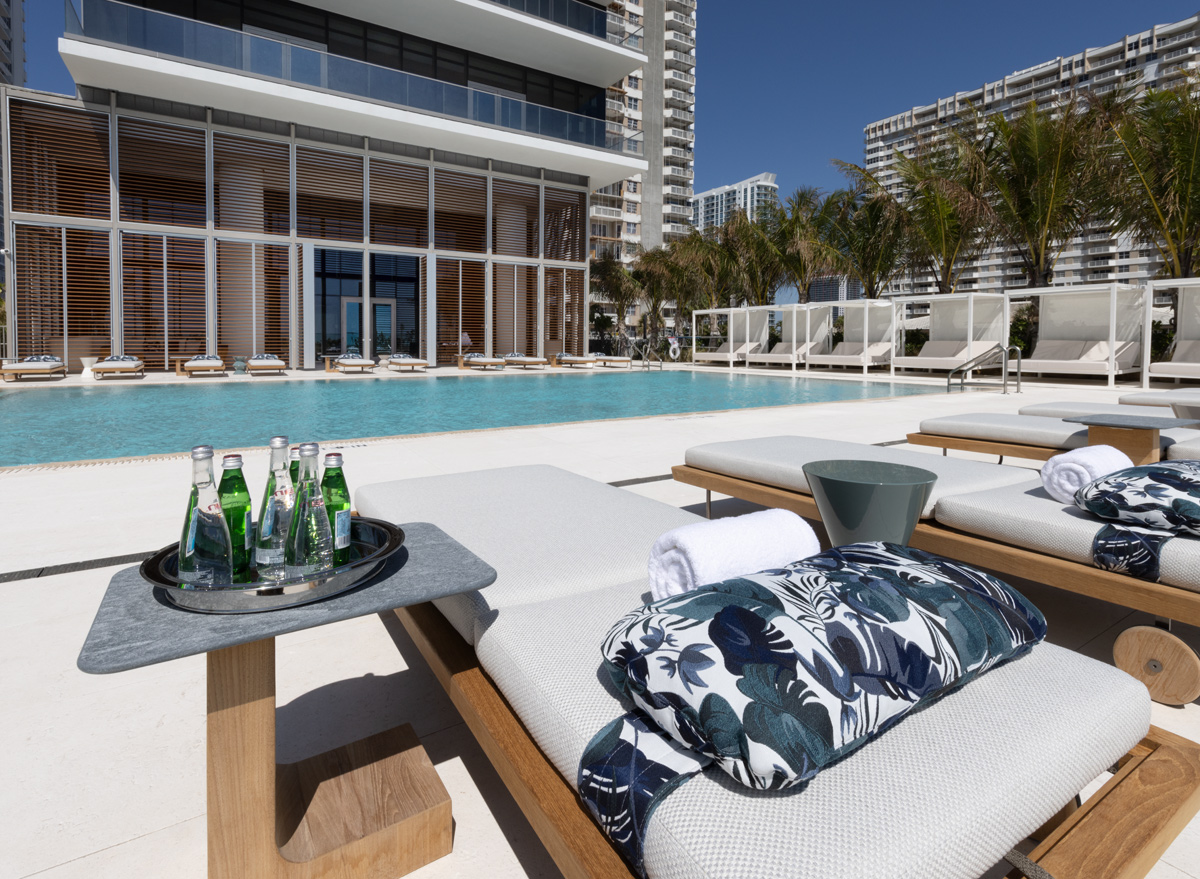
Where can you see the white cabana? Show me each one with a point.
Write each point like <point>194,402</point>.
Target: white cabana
<point>961,327</point>
<point>746,332</point>
<point>1088,330</point>
<point>1185,351</point>
<point>788,321</point>
<point>868,335</point>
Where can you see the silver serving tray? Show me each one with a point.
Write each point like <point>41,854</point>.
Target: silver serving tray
<point>372,541</point>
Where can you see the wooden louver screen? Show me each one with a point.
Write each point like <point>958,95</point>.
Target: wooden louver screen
<point>187,307</point>
<point>143,298</point>
<point>459,211</point>
<point>89,299</point>
<point>553,316</point>
<point>574,313</point>
<point>59,160</point>
<point>39,296</point>
<point>329,195</point>
<point>399,204</point>
<point>565,229</point>
<point>514,218</point>
<point>250,184</point>
<point>161,173</point>
<point>253,300</point>
<point>460,309</point>
<point>514,309</point>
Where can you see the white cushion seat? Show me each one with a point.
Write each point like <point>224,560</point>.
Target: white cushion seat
<point>265,363</point>
<point>411,362</point>
<point>111,365</point>
<point>851,354</point>
<point>1076,357</point>
<point>779,461</point>
<point>1186,396</point>
<point>350,361</point>
<point>936,354</point>
<point>723,352</point>
<point>482,362</point>
<point>1184,362</point>
<point>609,360</point>
<point>37,365</point>
<point>1030,430</point>
<point>205,363</point>
<point>962,766</point>
<point>1072,409</point>
<point>575,359</point>
<point>524,361</point>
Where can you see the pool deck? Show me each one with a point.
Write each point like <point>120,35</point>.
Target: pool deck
<point>105,776</point>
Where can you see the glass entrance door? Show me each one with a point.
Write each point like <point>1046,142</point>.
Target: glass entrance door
<point>383,327</point>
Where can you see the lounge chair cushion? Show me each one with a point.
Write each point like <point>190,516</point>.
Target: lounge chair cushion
<point>37,363</point>
<point>501,515</point>
<point>1030,430</point>
<point>604,358</point>
<point>1163,496</point>
<point>1075,409</point>
<point>1186,351</point>
<point>944,349</point>
<point>1024,515</point>
<point>961,769</point>
<point>1058,349</point>
<point>1161,398</point>
<point>745,673</point>
<point>267,361</point>
<point>205,361</point>
<point>778,460</point>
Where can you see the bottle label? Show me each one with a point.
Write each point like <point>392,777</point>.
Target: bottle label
<point>191,541</point>
<point>341,538</point>
<point>249,536</point>
<point>283,494</point>
<point>268,557</point>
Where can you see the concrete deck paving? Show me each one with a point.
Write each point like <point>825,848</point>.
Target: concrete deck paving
<point>104,776</point>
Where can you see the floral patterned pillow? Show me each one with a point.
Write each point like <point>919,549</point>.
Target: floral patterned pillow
<point>1163,496</point>
<point>778,674</point>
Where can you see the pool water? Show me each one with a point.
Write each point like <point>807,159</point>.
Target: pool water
<point>39,426</point>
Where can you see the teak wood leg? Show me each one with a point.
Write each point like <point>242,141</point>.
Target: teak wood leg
<point>1142,446</point>
<point>373,809</point>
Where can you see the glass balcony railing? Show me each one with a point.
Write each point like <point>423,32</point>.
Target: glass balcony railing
<point>582,17</point>
<point>170,36</point>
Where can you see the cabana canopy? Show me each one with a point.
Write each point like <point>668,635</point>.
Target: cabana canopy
<point>789,319</point>
<point>961,327</point>
<point>868,336</point>
<point>1185,353</point>
<point>747,333</point>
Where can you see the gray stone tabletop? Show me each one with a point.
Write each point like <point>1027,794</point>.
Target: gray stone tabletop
<point>1132,422</point>
<point>135,626</point>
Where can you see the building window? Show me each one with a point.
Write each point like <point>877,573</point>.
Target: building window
<point>631,228</point>
<point>1124,254</point>
<point>633,185</point>
<point>634,82</point>
<point>631,207</point>
<point>634,103</point>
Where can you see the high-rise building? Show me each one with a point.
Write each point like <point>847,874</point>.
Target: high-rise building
<point>304,180</point>
<point>1156,57</point>
<point>714,206</point>
<point>656,101</point>
<point>12,42</point>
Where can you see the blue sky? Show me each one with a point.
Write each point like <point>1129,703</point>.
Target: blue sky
<point>787,85</point>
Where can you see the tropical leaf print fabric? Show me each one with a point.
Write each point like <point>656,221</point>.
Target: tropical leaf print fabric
<point>1163,496</point>
<point>778,674</point>
<point>1129,549</point>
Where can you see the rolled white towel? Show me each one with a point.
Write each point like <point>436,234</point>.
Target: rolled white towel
<point>709,552</point>
<point>1065,474</point>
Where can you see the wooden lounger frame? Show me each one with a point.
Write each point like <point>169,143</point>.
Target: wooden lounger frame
<point>1119,833</point>
<point>113,369</point>
<point>988,447</point>
<point>1158,599</point>
<point>15,372</point>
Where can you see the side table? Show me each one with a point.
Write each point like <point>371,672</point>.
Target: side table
<point>1135,435</point>
<point>87,363</point>
<point>373,808</point>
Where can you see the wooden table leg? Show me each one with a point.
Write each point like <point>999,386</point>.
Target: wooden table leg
<point>369,810</point>
<point>1142,446</point>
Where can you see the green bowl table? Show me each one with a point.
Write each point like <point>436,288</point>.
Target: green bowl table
<point>863,501</point>
<point>372,808</point>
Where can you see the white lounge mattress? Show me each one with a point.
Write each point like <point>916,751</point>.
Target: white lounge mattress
<point>1071,409</point>
<point>1189,397</point>
<point>547,532</point>
<point>1031,430</point>
<point>36,366</point>
<point>944,793</point>
<point>929,362</point>
<point>1024,515</point>
<point>778,460</point>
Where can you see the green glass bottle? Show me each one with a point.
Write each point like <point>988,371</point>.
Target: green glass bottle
<point>235,504</point>
<point>337,504</point>
<point>294,466</point>
<point>205,555</point>
<point>309,549</point>
<point>275,514</point>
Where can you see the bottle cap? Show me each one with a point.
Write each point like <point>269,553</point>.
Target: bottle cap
<point>333,459</point>
<point>201,453</point>
<point>279,442</point>
<point>232,462</point>
<point>309,450</point>
<point>295,453</point>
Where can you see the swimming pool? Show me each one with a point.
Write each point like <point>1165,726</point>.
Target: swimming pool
<point>39,426</point>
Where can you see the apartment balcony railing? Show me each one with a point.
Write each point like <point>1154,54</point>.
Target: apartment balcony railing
<point>680,41</point>
<point>614,108</point>
<point>677,228</point>
<point>1175,53</point>
<point>684,191</point>
<point>579,16</point>
<point>677,171</point>
<point>169,36</point>
<point>607,213</point>
<point>677,115</point>
<point>1177,38</point>
<point>677,210</point>
<point>688,7</point>
<point>685,60</point>
<point>679,77</point>
<point>677,153</point>
<point>679,134</point>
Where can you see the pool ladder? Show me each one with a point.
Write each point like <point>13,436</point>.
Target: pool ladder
<point>987,358</point>
<point>646,353</point>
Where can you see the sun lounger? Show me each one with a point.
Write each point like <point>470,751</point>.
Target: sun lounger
<point>1162,398</point>
<point>1034,437</point>
<point>347,362</point>
<point>572,360</point>
<point>727,352</point>
<point>35,364</point>
<point>204,363</point>
<point>939,355</point>
<point>1184,362</point>
<point>1073,409</point>
<point>783,352</point>
<point>525,362</point>
<point>265,363</point>
<point>119,364</point>
<point>533,693</point>
<point>851,354</point>
<point>1079,357</point>
<point>479,361</point>
<point>399,362</point>
<point>615,362</point>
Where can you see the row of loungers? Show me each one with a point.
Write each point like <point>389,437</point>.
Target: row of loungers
<point>945,793</point>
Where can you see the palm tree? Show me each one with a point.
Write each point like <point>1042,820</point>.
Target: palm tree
<point>1154,179</point>
<point>662,279</point>
<point>797,231</point>
<point>611,281</point>
<point>754,271</point>
<point>1040,172</point>
<point>866,231</point>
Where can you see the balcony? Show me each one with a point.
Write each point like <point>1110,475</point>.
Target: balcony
<point>605,213</point>
<point>143,52</point>
<point>681,60</point>
<point>678,171</point>
<point>686,7</point>
<point>677,228</point>
<point>683,117</point>
<point>680,41</point>
<point>614,109</point>
<point>679,135</point>
<point>678,21</point>
<point>679,98</point>
<point>679,78</point>
<point>677,210</point>
<point>681,191</point>
<point>677,153</point>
